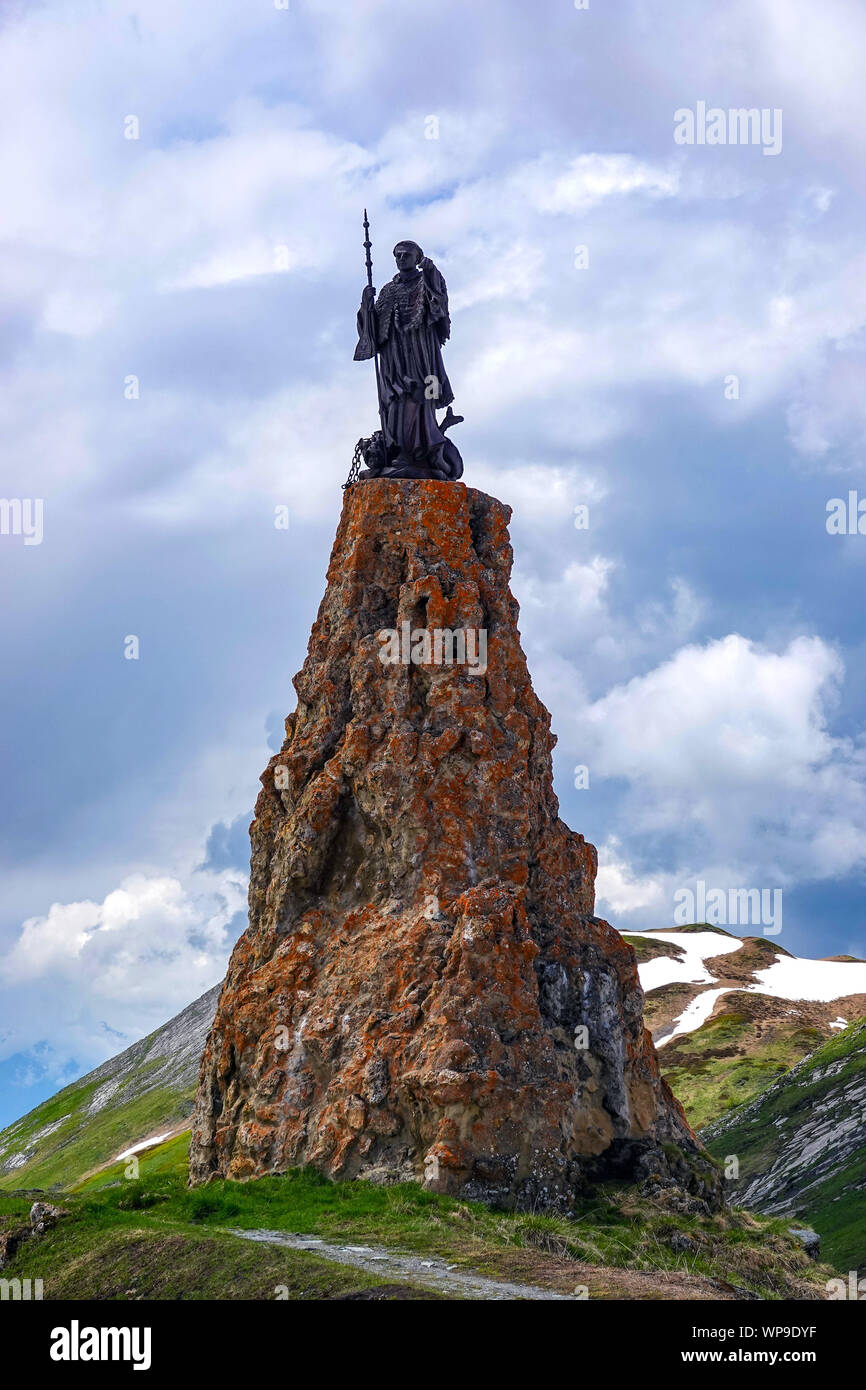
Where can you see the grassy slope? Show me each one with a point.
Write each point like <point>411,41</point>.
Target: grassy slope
<point>705,1074</point>
<point>700,927</point>
<point>646,950</point>
<point>724,1063</point>
<point>137,1261</point>
<point>147,1089</point>
<point>758,1132</point>
<point>82,1141</point>
<point>735,1055</point>
<point>159,1239</point>
<point>838,1213</point>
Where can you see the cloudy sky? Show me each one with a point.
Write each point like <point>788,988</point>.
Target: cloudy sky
<point>180,270</point>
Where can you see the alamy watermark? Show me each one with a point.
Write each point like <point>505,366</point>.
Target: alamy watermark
<point>77,1343</point>
<point>22,516</point>
<point>738,125</point>
<point>461,646</point>
<point>855,1290</point>
<point>733,907</point>
<point>21,1290</point>
<point>846,517</point>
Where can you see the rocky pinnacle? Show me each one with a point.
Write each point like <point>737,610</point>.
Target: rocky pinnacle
<point>423,991</point>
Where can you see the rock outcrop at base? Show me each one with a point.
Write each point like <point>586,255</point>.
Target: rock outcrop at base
<point>423,991</point>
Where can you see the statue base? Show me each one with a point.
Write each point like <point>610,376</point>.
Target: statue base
<point>383,460</point>
<point>408,470</point>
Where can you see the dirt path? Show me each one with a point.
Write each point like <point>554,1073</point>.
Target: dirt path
<point>560,1279</point>
<point>417,1269</point>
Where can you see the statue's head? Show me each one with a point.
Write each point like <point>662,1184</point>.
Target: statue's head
<point>407,254</point>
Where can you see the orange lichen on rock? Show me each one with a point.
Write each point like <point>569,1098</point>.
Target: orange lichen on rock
<point>423,991</point>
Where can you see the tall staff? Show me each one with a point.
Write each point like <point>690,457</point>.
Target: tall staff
<point>372,325</point>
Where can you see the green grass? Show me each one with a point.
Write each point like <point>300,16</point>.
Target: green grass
<point>170,1158</point>
<point>69,1102</point>
<point>156,1236</point>
<point>124,1263</point>
<point>646,949</point>
<point>756,1133</point>
<point>84,1141</point>
<point>705,1074</point>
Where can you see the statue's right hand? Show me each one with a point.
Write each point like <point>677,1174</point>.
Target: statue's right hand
<point>369,295</point>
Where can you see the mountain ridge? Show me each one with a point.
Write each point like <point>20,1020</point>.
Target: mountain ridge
<point>728,1014</point>
<point>141,1093</point>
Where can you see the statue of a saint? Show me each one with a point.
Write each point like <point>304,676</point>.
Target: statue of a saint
<point>406,326</point>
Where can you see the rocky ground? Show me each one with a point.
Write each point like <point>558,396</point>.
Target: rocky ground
<point>424,994</point>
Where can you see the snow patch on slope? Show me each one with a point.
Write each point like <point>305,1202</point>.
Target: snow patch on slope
<point>789,977</point>
<point>688,968</point>
<point>145,1144</point>
<point>697,1013</point>
<point>792,978</point>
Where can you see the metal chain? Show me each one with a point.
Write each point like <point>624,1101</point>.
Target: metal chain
<point>357,459</point>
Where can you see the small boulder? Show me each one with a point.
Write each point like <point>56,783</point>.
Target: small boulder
<point>682,1244</point>
<point>43,1217</point>
<point>809,1239</point>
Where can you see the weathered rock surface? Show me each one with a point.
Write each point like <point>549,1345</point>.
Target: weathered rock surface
<point>44,1217</point>
<point>421,951</point>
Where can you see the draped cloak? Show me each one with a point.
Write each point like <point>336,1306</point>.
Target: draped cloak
<point>409,323</point>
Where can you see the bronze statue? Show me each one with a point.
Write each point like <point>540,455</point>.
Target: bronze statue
<point>403,331</point>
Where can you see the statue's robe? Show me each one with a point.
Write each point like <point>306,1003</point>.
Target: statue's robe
<point>409,323</point>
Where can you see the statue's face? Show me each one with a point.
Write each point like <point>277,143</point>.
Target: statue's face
<point>406,256</point>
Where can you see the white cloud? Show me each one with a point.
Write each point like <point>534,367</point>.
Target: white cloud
<point>591,178</point>
<point>827,419</point>
<point>111,971</point>
<point>619,890</point>
<point>543,494</point>
<point>727,751</point>
<point>729,708</point>
<point>579,638</point>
